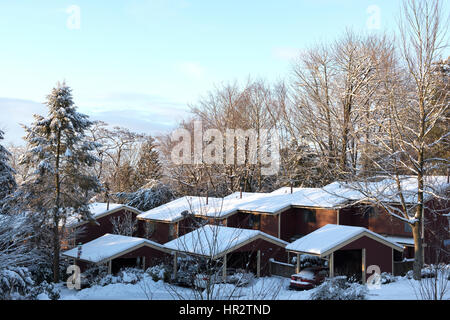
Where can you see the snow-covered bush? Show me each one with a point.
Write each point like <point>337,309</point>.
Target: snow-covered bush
<point>159,272</point>
<point>435,282</point>
<point>126,275</point>
<point>429,271</point>
<point>338,288</point>
<point>42,270</point>
<point>307,260</point>
<point>15,283</point>
<point>150,196</point>
<point>387,278</point>
<point>44,291</point>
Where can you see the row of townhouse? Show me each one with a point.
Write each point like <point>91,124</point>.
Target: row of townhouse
<point>336,223</point>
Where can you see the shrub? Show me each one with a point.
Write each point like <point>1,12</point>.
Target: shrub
<point>44,289</point>
<point>126,275</point>
<point>15,283</point>
<point>43,271</point>
<point>387,278</point>
<point>338,288</point>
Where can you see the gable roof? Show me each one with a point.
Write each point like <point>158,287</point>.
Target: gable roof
<point>331,237</point>
<point>386,190</point>
<point>215,241</point>
<point>172,211</point>
<point>110,246</point>
<point>334,195</point>
<point>99,210</point>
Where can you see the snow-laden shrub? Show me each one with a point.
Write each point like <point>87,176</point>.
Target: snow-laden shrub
<point>338,288</point>
<point>387,278</point>
<point>429,271</point>
<point>159,272</point>
<point>42,270</point>
<point>44,291</point>
<point>126,275</point>
<point>307,260</point>
<point>15,283</point>
<point>151,195</point>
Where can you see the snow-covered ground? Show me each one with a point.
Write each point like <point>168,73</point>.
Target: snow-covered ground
<point>270,288</point>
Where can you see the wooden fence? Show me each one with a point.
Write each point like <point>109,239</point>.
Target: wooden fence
<point>281,269</point>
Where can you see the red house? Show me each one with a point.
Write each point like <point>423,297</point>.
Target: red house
<point>86,231</point>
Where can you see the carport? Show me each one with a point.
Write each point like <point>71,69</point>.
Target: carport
<point>216,242</point>
<point>347,248</point>
<point>118,251</point>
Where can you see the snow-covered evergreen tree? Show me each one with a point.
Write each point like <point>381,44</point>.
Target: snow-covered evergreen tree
<point>61,155</point>
<point>148,167</point>
<point>152,195</point>
<point>7,180</point>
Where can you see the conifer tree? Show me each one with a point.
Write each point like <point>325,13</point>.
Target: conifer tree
<point>7,180</point>
<point>60,153</point>
<point>148,167</point>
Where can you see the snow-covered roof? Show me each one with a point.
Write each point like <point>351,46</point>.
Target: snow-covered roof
<point>333,195</point>
<point>222,207</point>
<point>332,237</point>
<point>401,240</point>
<point>214,241</point>
<point>109,246</point>
<point>238,194</point>
<point>98,210</point>
<point>285,190</point>
<point>386,190</point>
<point>172,211</point>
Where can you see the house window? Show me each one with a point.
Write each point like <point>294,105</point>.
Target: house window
<point>370,212</point>
<point>407,227</point>
<point>254,221</point>
<point>309,216</point>
<point>172,231</point>
<point>150,229</point>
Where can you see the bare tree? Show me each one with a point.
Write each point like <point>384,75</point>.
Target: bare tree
<point>126,225</point>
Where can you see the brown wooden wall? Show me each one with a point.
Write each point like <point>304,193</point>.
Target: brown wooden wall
<point>269,251</point>
<point>293,223</point>
<point>376,253</point>
<point>160,233</point>
<point>437,231</point>
<point>90,231</point>
<point>381,222</point>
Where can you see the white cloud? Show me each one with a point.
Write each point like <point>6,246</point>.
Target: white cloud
<point>137,112</point>
<point>192,69</point>
<point>286,53</point>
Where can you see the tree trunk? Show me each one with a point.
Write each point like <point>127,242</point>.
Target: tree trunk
<point>418,252</point>
<point>56,240</point>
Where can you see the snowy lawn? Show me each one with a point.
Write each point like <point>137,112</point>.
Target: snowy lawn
<point>270,288</point>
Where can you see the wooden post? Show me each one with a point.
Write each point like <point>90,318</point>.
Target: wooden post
<point>143,263</point>
<point>331,264</point>
<point>279,226</point>
<point>109,266</point>
<point>297,268</point>
<point>363,264</point>
<point>175,265</point>
<point>224,268</point>
<point>258,264</point>
<point>392,266</point>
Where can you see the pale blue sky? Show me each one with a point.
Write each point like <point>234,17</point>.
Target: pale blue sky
<point>138,63</point>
